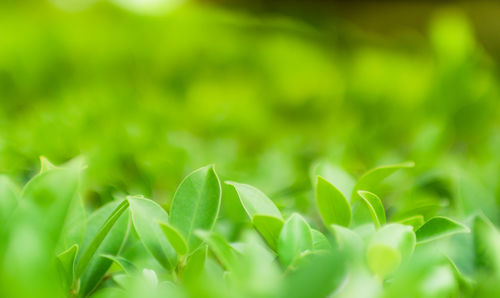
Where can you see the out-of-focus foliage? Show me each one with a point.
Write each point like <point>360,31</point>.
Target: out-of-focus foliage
<point>149,93</point>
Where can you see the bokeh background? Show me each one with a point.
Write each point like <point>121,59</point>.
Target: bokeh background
<point>150,90</point>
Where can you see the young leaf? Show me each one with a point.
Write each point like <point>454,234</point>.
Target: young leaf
<point>389,246</point>
<point>66,261</point>
<point>174,237</point>
<point>106,231</point>
<point>320,242</point>
<point>254,201</point>
<point>439,227</point>
<point>486,245</point>
<point>125,264</point>
<point>375,207</point>
<point>195,264</point>
<point>226,254</point>
<point>336,176</point>
<point>374,176</point>
<point>295,239</point>
<point>145,217</point>
<point>332,205</point>
<point>416,221</point>
<point>269,227</point>
<point>196,204</point>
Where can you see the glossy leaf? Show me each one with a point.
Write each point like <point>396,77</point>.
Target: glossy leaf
<point>332,205</point>
<point>226,254</point>
<point>174,237</point>
<point>125,264</point>
<point>295,239</point>
<point>336,176</point>
<point>66,260</point>
<point>106,231</point>
<point>254,201</point>
<point>415,221</point>
<point>373,177</point>
<point>439,227</point>
<point>195,264</point>
<point>146,214</point>
<point>269,228</point>
<point>375,207</point>
<point>196,204</point>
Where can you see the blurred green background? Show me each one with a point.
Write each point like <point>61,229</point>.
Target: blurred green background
<point>148,91</point>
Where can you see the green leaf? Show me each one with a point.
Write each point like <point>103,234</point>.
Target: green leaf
<point>336,176</point>
<point>486,245</point>
<point>66,261</point>
<point>389,247</point>
<point>46,165</point>
<point>254,201</point>
<point>269,228</point>
<point>226,254</point>
<point>320,242</point>
<point>195,264</point>
<point>53,192</point>
<point>125,264</point>
<point>332,205</point>
<point>373,177</point>
<point>416,221</point>
<point>295,239</point>
<point>106,231</point>
<point>348,242</point>
<point>175,238</point>
<point>375,207</point>
<point>146,214</point>
<point>317,275</point>
<point>439,227</point>
<point>196,204</point>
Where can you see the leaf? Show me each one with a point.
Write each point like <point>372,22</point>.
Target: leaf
<point>318,275</point>
<point>389,247</point>
<point>146,214</point>
<point>295,239</point>
<point>374,176</point>
<point>486,245</point>
<point>416,221</point>
<point>336,176</point>
<point>375,207</point>
<point>332,205</point>
<point>46,165</point>
<point>348,242</point>
<point>195,264</point>
<point>269,228</point>
<point>106,231</point>
<point>174,237</point>
<point>125,264</point>
<point>196,204</point>
<point>53,192</point>
<point>226,254</point>
<point>66,261</point>
<point>320,242</point>
<point>254,201</point>
<point>439,227</point>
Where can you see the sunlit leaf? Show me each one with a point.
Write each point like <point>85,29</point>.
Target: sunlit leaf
<point>66,261</point>
<point>332,205</point>
<point>320,242</point>
<point>373,177</point>
<point>295,239</point>
<point>375,207</point>
<point>269,227</point>
<point>439,227</point>
<point>196,204</point>
<point>254,201</point>
<point>174,237</point>
<point>146,214</point>
<point>226,254</point>
<point>415,221</point>
<point>125,264</point>
<point>486,245</point>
